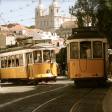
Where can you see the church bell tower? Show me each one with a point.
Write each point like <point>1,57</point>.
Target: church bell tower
<point>40,9</point>
<point>54,8</point>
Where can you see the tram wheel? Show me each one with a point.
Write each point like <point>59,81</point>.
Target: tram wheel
<point>76,83</point>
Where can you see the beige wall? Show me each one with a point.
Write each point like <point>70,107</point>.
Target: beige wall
<point>2,40</point>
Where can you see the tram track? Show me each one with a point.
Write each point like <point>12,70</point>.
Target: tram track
<point>45,99</point>
<point>61,103</point>
<point>82,101</point>
<point>37,108</point>
<point>75,106</point>
<point>29,96</point>
<point>87,101</point>
<point>67,98</point>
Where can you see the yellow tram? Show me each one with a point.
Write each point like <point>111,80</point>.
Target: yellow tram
<point>87,55</point>
<point>32,64</point>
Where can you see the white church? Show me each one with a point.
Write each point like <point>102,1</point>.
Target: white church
<point>51,21</point>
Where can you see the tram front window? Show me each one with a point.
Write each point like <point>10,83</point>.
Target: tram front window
<point>53,56</point>
<point>29,58</point>
<point>85,50</point>
<point>74,54</point>
<point>46,55</point>
<point>37,56</point>
<point>20,60</point>
<point>97,49</point>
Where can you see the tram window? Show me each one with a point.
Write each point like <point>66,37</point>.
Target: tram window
<point>46,55</point>
<point>85,50</point>
<point>2,62</point>
<point>53,56</point>
<point>29,58</point>
<point>13,61</point>
<point>20,59</point>
<point>37,56</point>
<point>5,61</point>
<point>9,61</point>
<point>17,60</point>
<point>74,54</point>
<point>97,49</point>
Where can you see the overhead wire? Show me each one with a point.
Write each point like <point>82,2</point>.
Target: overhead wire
<point>12,11</point>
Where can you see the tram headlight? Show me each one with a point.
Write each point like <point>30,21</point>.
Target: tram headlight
<point>48,71</point>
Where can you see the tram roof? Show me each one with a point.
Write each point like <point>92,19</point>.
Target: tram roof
<point>44,46</point>
<point>85,32</point>
<point>22,50</point>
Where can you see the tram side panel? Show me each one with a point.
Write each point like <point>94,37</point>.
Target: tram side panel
<point>13,73</point>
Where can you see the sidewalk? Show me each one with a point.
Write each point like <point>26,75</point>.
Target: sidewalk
<point>107,102</point>
<point>61,78</point>
<point>16,89</point>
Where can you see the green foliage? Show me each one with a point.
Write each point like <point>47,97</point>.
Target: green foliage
<point>62,56</point>
<point>98,13</point>
<point>104,17</point>
<point>84,11</point>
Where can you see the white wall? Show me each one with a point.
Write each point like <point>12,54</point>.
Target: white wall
<point>10,40</point>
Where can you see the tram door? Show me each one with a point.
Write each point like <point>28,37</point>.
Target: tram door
<point>29,59</point>
<point>105,58</point>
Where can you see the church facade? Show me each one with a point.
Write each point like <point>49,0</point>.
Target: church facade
<point>51,21</point>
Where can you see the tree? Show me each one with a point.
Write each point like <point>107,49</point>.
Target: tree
<point>104,16</point>
<point>84,11</point>
<point>96,13</point>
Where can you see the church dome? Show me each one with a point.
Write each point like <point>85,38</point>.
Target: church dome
<point>40,6</point>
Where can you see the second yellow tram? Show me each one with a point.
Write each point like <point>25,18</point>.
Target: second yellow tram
<point>87,55</point>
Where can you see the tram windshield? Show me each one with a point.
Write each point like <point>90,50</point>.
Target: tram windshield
<point>37,56</point>
<point>29,57</point>
<point>46,55</point>
<point>74,52</point>
<point>85,49</point>
<point>97,49</point>
<point>49,56</point>
<point>53,56</point>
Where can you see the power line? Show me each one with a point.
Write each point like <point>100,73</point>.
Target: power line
<point>26,7</point>
<point>16,10</point>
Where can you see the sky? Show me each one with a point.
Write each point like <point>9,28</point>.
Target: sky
<point>23,11</point>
